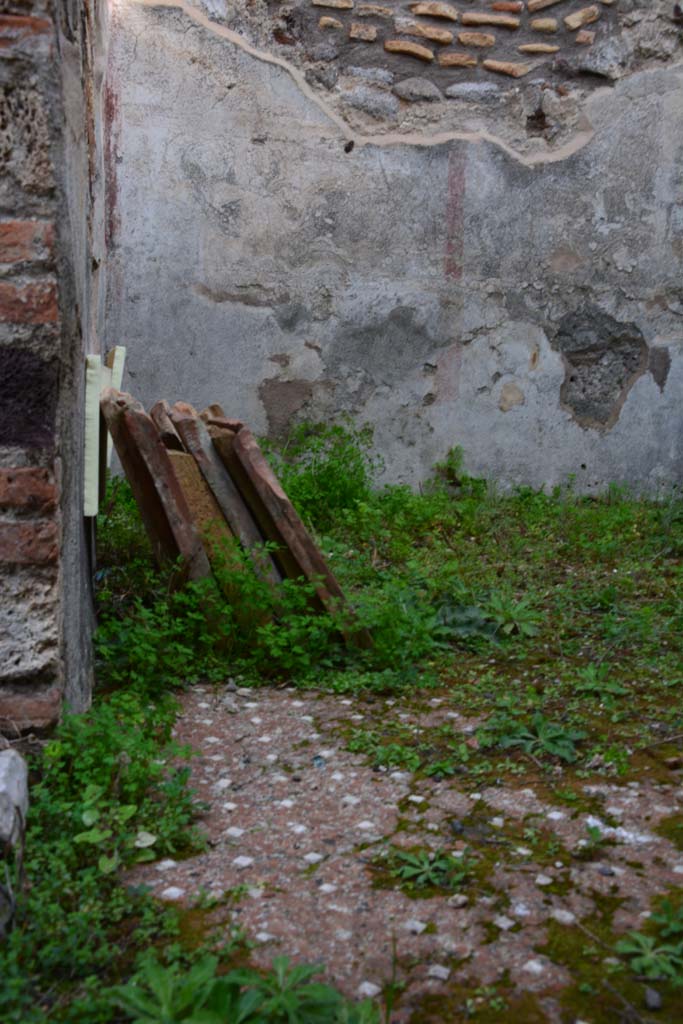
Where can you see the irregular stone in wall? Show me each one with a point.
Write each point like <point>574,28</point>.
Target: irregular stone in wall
<point>585,16</point>
<point>27,543</point>
<point>476,39</point>
<point>493,30</point>
<point>603,359</point>
<point>373,11</point>
<point>34,303</point>
<point>434,9</point>
<point>457,60</point>
<point>25,707</point>
<point>497,20</point>
<point>506,67</point>
<point>539,5</point>
<point>482,92</point>
<point>327,22</point>
<point>510,396</point>
<point>431,32</point>
<point>29,613</point>
<point>25,241</point>
<point>409,49</point>
<point>23,32</point>
<point>24,138</point>
<point>584,38</point>
<point>375,102</point>
<point>364,33</point>
<point>417,90</point>
<point>538,48</point>
<point>30,490</point>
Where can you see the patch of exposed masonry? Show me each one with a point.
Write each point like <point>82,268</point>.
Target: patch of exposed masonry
<point>298,821</point>
<point>544,120</point>
<point>603,359</point>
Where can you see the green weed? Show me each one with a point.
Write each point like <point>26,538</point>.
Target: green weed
<point>538,737</point>
<point>105,794</point>
<point>325,470</point>
<point>426,869</point>
<point>595,681</point>
<point>383,755</point>
<point>652,959</point>
<point>284,995</point>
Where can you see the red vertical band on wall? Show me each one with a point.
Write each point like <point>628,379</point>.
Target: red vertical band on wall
<point>112,130</point>
<point>455,203</point>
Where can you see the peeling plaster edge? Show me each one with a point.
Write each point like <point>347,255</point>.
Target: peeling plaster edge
<point>580,140</point>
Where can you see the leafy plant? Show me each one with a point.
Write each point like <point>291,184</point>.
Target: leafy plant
<point>165,995</point>
<point>105,793</point>
<point>389,755</point>
<point>669,919</point>
<point>653,960</point>
<point>511,616</point>
<point>594,680</point>
<point>445,767</point>
<point>451,472</point>
<point>467,623</point>
<point>325,469</point>
<point>284,995</point>
<point>540,736</point>
<point>426,869</point>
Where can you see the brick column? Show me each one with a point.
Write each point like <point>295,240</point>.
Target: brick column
<point>39,367</point>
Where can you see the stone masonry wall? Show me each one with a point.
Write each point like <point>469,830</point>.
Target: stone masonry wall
<point>461,222</point>
<point>44,595</point>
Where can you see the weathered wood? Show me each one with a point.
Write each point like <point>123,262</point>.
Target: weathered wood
<point>159,496</point>
<point>223,439</point>
<point>197,441</point>
<point>161,415</point>
<point>214,414</point>
<point>281,523</point>
<point>219,541</point>
<point>204,508</point>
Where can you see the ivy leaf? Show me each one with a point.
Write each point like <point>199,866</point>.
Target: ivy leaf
<point>107,864</point>
<point>94,836</point>
<point>126,812</point>
<point>145,855</point>
<point>144,839</point>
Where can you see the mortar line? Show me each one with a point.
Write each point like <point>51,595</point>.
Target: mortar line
<point>580,140</point>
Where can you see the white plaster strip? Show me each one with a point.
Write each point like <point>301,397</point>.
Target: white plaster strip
<point>580,140</point>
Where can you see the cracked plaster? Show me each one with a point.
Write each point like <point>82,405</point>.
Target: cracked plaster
<point>427,268</point>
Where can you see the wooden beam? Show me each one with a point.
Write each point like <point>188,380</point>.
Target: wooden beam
<point>272,509</point>
<point>161,414</point>
<point>197,442</point>
<point>159,496</point>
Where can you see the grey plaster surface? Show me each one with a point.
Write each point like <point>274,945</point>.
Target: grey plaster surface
<point>268,255</point>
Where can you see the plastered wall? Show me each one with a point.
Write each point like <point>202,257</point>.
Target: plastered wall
<point>477,243</point>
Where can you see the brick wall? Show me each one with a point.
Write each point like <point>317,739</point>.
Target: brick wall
<point>40,363</point>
